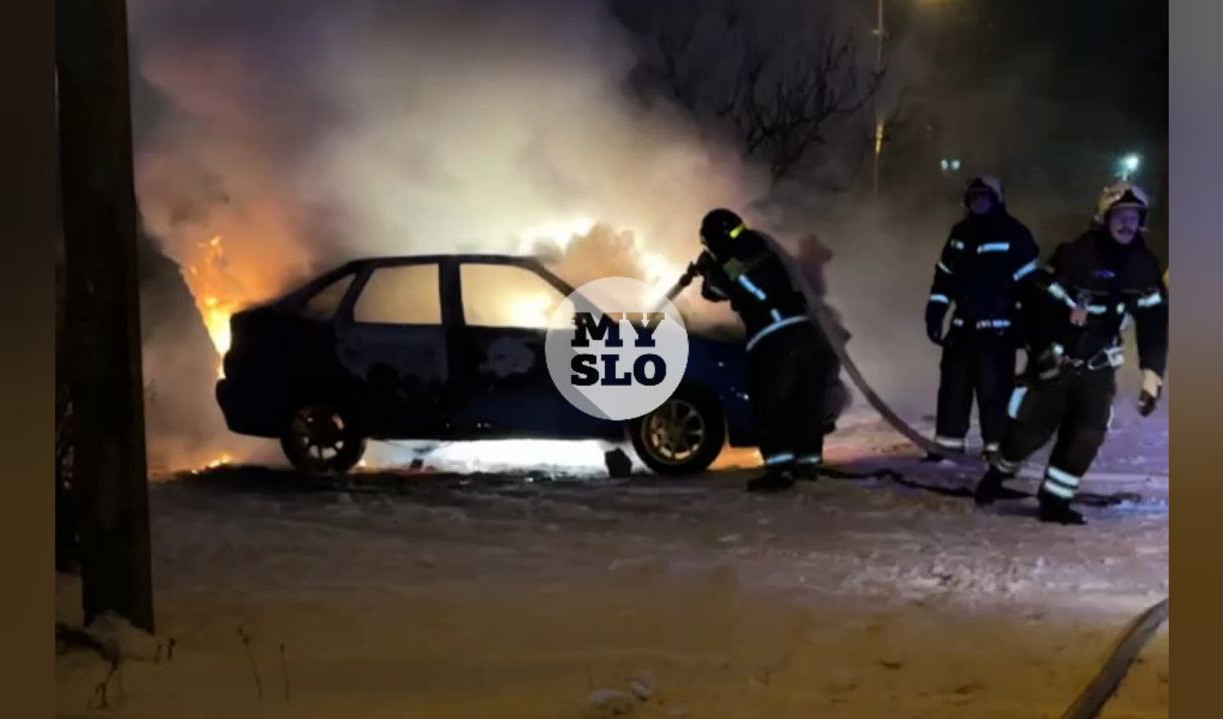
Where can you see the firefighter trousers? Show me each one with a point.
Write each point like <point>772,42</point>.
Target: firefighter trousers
<point>978,364</point>
<point>1077,405</point>
<point>790,376</point>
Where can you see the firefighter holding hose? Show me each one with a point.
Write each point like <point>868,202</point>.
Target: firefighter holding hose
<point>791,363</point>
<point>1084,298</point>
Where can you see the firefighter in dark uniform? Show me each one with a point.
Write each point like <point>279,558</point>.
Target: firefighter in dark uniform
<point>790,359</point>
<point>812,258</point>
<point>985,258</point>
<point>1088,292</point>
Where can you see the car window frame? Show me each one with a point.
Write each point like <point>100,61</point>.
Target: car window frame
<point>525,264</point>
<point>315,289</point>
<point>366,271</point>
<point>449,283</point>
<point>293,300</point>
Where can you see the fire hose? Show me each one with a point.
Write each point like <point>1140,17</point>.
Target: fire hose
<point>822,316</point>
<point>1106,682</point>
<point>820,313</point>
<point>1137,634</point>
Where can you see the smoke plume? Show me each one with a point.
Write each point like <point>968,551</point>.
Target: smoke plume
<point>277,139</point>
<point>285,138</point>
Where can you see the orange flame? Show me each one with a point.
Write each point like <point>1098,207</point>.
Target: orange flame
<point>219,461</point>
<point>210,282</point>
<point>219,284</point>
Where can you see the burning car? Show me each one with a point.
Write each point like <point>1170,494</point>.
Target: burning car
<point>448,347</point>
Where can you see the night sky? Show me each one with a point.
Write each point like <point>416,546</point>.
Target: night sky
<point>1077,84</point>
<point>1110,54</point>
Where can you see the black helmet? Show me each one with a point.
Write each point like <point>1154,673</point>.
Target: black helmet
<point>719,228</point>
<point>987,184</point>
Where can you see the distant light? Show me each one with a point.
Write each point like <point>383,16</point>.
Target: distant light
<point>945,164</point>
<point>955,165</point>
<point>1129,165</point>
<point>952,165</point>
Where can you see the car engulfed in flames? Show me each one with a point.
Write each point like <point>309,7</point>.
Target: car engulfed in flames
<point>447,347</point>
<point>223,283</point>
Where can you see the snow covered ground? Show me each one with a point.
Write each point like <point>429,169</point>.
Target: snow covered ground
<point>529,594</point>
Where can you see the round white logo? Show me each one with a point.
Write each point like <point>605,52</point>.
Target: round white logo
<point>616,348</point>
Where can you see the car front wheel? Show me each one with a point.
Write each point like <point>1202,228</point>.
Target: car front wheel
<point>320,440</point>
<point>682,436</point>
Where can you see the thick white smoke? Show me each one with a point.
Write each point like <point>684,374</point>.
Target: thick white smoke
<point>305,133</point>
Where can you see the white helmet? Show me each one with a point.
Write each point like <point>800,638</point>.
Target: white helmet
<point>985,183</point>
<point>1120,195</point>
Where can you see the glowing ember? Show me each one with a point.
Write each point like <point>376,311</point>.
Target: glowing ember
<point>220,461</point>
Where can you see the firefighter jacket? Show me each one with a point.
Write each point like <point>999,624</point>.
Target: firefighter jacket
<point>1112,282</point>
<point>981,265</point>
<point>753,278</point>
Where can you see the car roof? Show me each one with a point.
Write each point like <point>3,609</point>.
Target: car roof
<point>500,258</point>
<point>364,263</point>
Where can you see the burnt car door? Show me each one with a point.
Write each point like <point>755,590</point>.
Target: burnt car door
<point>391,338</point>
<point>283,353</point>
<point>503,388</point>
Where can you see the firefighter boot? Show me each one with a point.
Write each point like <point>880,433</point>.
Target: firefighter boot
<point>775,479</point>
<point>1056,510</point>
<point>990,488</point>
<point>807,471</point>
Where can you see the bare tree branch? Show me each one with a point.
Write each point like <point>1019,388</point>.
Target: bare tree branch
<point>777,94</point>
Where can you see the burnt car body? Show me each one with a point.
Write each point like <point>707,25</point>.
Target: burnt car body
<point>424,348</point>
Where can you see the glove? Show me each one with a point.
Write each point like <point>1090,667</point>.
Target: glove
<point>682,283</point>
<point>690,274</point>
<point>1152,387</point>
<point>934,321</point>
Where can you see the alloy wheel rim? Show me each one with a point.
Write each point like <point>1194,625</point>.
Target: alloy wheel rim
<point>674,432</point>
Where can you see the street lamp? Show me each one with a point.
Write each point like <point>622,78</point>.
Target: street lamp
<point>1129,165</point>
<point>879,33</point>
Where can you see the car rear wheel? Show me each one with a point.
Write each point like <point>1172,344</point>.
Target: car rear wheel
<point>321,440</point>
<point>682,436</point>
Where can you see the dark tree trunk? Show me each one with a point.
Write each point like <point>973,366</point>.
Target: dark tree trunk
<point>103,342</point>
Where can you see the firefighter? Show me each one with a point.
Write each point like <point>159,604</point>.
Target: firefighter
<point>812,259</point>
<point>813,256</point>
<point>1088,292</point>
<point>986,256</point>
<point>791,362</point>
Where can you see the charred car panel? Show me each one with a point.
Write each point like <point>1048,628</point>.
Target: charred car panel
<point>396,365</point>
